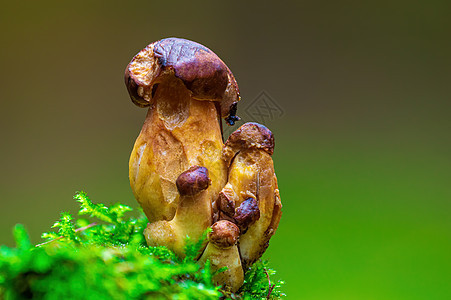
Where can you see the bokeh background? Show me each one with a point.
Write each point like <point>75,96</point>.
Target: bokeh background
<point>362,148</point>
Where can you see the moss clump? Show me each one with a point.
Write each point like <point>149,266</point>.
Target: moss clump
<point>109,259</point>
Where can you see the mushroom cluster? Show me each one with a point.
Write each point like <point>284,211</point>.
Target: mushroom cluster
<point>182,173</point>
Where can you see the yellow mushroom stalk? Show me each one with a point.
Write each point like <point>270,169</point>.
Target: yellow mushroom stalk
<point>181,172</point>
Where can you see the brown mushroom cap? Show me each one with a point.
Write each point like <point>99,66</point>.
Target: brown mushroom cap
<point>193,181</point>
<point>224,234</point>
<point>247,213</point>
<point>249,135</point>
<point>202,72</point>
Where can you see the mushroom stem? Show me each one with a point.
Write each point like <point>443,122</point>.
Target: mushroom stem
<point>178,132</point>
<point>222,251</point>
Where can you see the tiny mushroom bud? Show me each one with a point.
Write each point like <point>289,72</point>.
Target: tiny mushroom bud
<point>224,234</point>
<point>193,181</point>
<point>226,201</point>
<point>247,213</point>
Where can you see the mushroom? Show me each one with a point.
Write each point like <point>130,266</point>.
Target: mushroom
<point>252,186</point>
<point>222,251</point>
<point>184,176</point>
<point>188,89</point>
<point>193,214</point>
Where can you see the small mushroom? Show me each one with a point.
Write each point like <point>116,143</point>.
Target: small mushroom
<point>222,251</point>
<point>188,89</point>
<point>224,206</point>
<point>193,181</point>
<point>193,213</point>
<point>247,153</point>
<point>247,214</point>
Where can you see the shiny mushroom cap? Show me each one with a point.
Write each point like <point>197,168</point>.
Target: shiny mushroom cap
<point>224,234</point>
<point>203,73</point>
<point>193,181</point>
<point>249,135</point>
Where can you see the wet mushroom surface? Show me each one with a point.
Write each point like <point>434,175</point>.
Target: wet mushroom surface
<point>182,173</point>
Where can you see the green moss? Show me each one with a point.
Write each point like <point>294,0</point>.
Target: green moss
<point>107,258</point>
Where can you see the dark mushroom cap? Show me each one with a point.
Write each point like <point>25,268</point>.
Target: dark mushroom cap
<point>247,213</point>
<point>201,71</point>
<point>249,135</point>
<point>193,181</point>
<point>224,234</point>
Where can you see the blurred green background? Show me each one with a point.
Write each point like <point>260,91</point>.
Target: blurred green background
<point>362,149</point>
